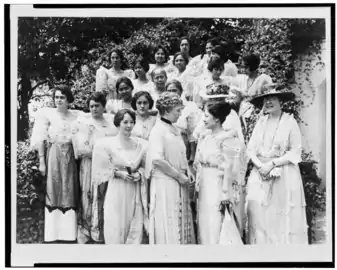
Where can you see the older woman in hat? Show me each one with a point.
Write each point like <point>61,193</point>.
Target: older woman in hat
<point>167,167</point>
<point>275,199</point>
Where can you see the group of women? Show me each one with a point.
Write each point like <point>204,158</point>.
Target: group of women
<point>161,159</point>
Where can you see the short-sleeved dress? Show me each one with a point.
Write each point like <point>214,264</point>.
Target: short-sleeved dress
<point>62,196</point>
<point>221,165</point>
<point>106,80</point>
<point>170,213</point>
<point>124,214</point>
<point>86,132</point>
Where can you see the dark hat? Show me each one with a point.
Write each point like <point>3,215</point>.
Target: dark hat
<point>271,90</point>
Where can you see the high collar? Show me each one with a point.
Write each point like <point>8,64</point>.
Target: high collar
<point>165,120</point>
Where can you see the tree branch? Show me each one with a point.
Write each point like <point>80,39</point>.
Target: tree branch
<point>38,84</point>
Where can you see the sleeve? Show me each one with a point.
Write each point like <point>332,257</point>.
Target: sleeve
<point>155,151</point>
<point>130,74</point>
<point>40,129</point>
<point>293,153</point>
<point>253,142</point>
<point>101,80</point>
<point>102,163</point>
<point>111,107</point>
<point>230,69</point>
<point>193,120</point>
<point>82,136</point>
<point>264,79</point>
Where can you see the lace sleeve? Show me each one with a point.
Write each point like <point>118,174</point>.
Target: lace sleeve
<point>101,80</point>
<point>40,129</point>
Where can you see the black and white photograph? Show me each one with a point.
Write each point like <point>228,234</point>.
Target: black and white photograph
<point>180,134</point>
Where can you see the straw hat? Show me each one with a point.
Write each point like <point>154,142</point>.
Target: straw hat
<point>271,90</point>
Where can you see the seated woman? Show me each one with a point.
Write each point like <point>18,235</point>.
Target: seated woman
<point>143,78</point>
<point>124,89</point>
<point>106,78</point>
<point>87,130</point>
<point>250,85</point>
<point>275,195</point>
<point>221,166</point>
<point>118,180</point>
<point>142,104</point>
<point>171,219</point>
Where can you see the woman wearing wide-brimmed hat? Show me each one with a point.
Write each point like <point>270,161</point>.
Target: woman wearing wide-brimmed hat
<point>275,195</point>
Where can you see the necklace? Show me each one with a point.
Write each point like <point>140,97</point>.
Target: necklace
<point>275,132</point>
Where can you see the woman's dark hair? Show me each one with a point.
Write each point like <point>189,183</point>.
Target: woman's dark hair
<point>97,97</point>
<point>222,52</point>
<point>161,47</point>
<point>215,62</point>
<point>144,63</point>
<point>219,110</point>
<point>121,56</point>
<point>182,55</point>
<point>65,90</point>
<point>176,83</point>
<point>252,61</point>
<point>125,80</point>
<point>184,38</point>
<point>140,94</point>
<point>120,116</point>
<point>213,41</point>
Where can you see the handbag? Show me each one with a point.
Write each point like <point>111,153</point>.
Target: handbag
<point>229,232</point>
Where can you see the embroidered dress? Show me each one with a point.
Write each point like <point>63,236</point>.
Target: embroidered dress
<point>124,214</point>
<point>221,166</point>
<point>143,128</point>
<point>276,208</point>
<point>61,173</point>
<point>106,80</point>
<point>86,132</point>
<point>170,213</point>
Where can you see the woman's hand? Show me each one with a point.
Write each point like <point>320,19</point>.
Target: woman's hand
<point>124,175</point>
<point>183,179</point>
<point>136,176</point>
<point>266,168</point>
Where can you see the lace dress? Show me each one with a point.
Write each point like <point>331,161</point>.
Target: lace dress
<point>61,173</point>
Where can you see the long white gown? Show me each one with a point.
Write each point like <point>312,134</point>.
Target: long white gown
<point>276,208</point>
<point>221,166</point>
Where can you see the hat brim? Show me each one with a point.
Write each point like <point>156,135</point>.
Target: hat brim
<point>256,101</point>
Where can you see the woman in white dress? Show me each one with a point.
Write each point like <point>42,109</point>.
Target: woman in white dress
<point>171,219</point>
<point>183,75</point>
<point>249,84</point>
<point>221,165</point>
<point>118,180</point>
<point>51,136</point>
<point>275,195</point>
<point>106,78</point>
<point>143,78</point>
<point>124,89</point>
<point>161,58</point>
<point>87,130</point>
<point>142,104</point>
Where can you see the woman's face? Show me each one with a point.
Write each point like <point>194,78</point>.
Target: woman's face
<point>209,120</point>
<point>142,105</point>
<point>180,63</point>
<point>159,79</point>
<point>96,109</point>
<point>175,113</point>
<point>60,100</point>
<point>159,56</point>
<point>125,91</point>
<point>139,70</point>
<point>173,88</point>
<point>126,125</point>
<point>216,73</point>
<point>271,104</point>
<point>115,60</point>
<point>209,48</point>
<point>184,46</point>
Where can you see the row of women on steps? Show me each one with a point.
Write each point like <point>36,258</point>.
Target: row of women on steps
<point>166,165</point>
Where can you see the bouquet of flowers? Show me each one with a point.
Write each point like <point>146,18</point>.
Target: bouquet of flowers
<point>217,89</point>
